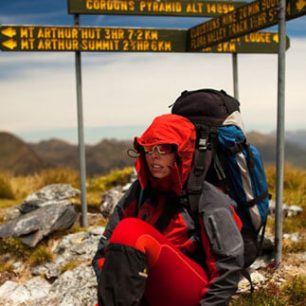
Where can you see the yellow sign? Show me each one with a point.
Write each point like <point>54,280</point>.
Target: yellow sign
<point>201,8</point>
<point>243,20</point>
<point>93,39</point>
<point>43,38</point>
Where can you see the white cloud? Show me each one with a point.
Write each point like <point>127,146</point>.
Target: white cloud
<point>130,89</point>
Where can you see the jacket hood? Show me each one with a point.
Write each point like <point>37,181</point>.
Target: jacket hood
<point>168,129</point>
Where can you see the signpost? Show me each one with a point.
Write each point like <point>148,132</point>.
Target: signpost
<point>185,8</point>
<point>234,31</point>
<point>258,42</point>
<point>91,39</point>
<point>243,20</point>
<point>99,39</point>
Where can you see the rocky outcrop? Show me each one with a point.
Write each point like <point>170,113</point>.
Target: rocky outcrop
<point>42,213</point>
<point>49,195</point>
<point>51,285</point>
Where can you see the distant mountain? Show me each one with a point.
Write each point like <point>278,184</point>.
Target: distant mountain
<point>100,158</point>
<point>106,155</point>
<point>297,137</point>
<point>57,152</point>
<point>18,157</point>
<point>294,154</point>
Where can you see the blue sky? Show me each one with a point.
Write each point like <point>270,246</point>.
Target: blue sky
<point>126,90</point>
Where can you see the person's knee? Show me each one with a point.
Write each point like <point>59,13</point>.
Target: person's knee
<point>129,230</point>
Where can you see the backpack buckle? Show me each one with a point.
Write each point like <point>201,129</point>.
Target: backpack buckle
<point>203,144</point>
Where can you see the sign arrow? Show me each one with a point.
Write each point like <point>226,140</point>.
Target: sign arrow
<point>10,44</point>
<point>9,32</point>
<point>275,38</point>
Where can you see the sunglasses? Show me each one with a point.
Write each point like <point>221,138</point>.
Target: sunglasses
<point>161,149</point>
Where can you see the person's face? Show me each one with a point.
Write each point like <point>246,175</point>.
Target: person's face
<point>160,161</point>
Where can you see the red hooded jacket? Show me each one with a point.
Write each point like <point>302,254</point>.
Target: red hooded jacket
<point>214,241</point>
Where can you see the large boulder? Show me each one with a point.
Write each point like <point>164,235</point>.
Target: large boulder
<point>49,195</point>
<point>42,213</point>
<point>31,228</point>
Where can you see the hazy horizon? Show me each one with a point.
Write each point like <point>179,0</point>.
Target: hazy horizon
<point>93,135</point>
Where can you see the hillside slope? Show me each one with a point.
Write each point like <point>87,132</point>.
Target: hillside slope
<point>294,154</point>
<point>100,158</point>
<point>17,156</point>
<point>20,157</point>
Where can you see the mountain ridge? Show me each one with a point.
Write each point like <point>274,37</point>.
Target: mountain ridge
<point>20,157</point>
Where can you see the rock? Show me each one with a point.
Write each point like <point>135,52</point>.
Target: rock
<point>110,200</point>
<point>261,262</point>
<point>80,287</point>
<point>12,293</point>
<point>293,210</point>
<point>49,195</point>
<point>80,247</point>
<point>34,226</point>
<point>73,288</point>
<point>288,210</point>
<point>257,279</point>
<point>10,213</point>
<point>294,237</point>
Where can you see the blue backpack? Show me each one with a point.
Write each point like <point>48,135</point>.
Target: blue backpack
<point>247,183</point>
<point>223,156</point>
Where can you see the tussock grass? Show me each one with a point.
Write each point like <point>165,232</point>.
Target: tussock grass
<point>292,293</point>
<point>294,247</point>
<point>71,265</point>
<point>13,189</point>
<point>14,247</point>
<point>114,178</point>
<point>19,251</point>
<point>40,255</point>
<point>97,185</point>
<point>294,184</point>
<point>6,190</point>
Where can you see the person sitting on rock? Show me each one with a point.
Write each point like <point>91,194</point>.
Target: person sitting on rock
<point>154,251</point>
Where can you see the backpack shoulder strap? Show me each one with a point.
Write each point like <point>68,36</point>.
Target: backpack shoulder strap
<point>202,160</point>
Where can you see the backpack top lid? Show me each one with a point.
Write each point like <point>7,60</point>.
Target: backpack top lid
<point>208,106</point>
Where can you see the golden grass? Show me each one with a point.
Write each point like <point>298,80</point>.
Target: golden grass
<point>71,265</point>
<point>294,184</point>
<point>292,293</point>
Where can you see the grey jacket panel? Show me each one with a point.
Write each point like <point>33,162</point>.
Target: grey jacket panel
<point>226,244</point>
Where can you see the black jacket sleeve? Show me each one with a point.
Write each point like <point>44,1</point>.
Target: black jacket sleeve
<point>223,245</point>
<point>122,209</point>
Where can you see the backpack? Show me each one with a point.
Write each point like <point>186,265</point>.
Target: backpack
<point>224,158</point>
